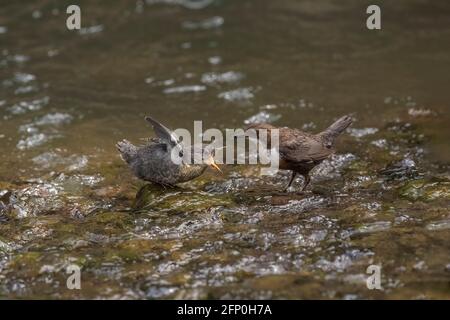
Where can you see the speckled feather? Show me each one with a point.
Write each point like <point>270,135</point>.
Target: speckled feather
<point>302,151</point>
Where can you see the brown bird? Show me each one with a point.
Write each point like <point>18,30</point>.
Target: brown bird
<point>300,151</point>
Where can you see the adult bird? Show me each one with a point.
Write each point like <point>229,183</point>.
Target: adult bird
<point>301,151</point>
<point>165,160</point>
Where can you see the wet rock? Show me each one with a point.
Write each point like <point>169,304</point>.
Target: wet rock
<point>234,185</point>
<point>4,204</point>
<point>54,160</point>
<point>343,261</point>
<point>280,200</point>
<point>404,133</point>
<point>100,226</point>
<point>156,198</point>
<point>333,166</point>
<point>301,205</point>
<point>61,193</point>
<point>3,212</point>
<point>373,227</point>
<point>425,190</point>
<point>401,170</point>
<point>439,225</point>
<point>35,199</point>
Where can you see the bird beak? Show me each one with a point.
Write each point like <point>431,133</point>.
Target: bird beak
<point>210,162</point>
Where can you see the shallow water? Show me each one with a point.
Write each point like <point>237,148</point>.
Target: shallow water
<point>67,198</point>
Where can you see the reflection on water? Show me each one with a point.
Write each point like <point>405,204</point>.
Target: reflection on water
<point>66,197</point>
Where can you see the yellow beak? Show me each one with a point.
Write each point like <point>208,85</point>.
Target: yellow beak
<point>215,166</point>
<point>212,164</point>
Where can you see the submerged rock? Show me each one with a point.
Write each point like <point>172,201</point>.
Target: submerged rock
<point>156,198</point>
<point>56,194</point>
<point>401,170</point>
<point>425,190</point>
<point>439,225</point>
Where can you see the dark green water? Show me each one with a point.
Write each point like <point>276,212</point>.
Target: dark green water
<point>66,198</point>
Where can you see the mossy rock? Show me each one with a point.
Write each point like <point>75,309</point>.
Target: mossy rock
<point>423,190</point>
<point>107,223</point>
<point>178,200</point>
<point>27,263</point>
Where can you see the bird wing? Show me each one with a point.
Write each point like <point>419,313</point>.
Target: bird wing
<point>163,132</point>
<point>299,147</point>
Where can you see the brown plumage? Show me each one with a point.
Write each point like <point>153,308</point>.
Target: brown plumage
<point>301,151</point>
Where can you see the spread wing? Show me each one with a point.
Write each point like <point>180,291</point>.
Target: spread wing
<point>163,132</point>
<point>298,147</point>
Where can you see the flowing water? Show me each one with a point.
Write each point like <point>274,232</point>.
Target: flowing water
<point>66,197</point>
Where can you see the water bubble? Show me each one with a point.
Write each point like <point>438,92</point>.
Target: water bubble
<point>36,14</point>
<point>92,29</point>
<point>359,133</point>
<point>20,77</point>
<point>25,106</point>
<point>55,119</point>
<point>32,141</point>
<point>212,78</point>
<point>209,23</point>
<point>262,117</point>
<point>184,89</point>
<point>215,60</point>
<point>239,94</point>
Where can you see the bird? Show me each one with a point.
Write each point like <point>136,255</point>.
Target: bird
<point>153,161</point>
<point>301,151</point>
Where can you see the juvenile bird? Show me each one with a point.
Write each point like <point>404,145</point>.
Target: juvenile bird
<point>300,151</point>
<point>153,161</point>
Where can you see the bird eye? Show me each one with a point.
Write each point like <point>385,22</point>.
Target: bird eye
<point>180,154</point>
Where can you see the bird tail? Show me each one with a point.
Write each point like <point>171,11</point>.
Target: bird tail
<point>128,151</point>
<point>339,126</point>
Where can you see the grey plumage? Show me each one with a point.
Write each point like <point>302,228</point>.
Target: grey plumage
<point>153,161</point>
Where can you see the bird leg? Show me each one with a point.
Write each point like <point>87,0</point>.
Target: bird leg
<point>290,181</point>
<point>307,181</point>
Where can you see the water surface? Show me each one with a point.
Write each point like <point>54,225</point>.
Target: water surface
<point>66,197</point>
